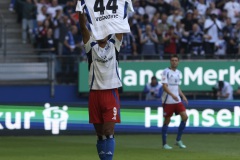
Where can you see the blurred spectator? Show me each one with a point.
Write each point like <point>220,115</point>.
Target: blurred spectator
<point>128,46</point>
<point>179,30</point>
<point>213,8</point>
<point>162,7</point>
<point>149,8</point>
<point>196,39</point>
<point>48,42</point>
<point>211,27</point>
<point>174,18</point>
<point>223,91</point>
<point>161,29</point>
<point>53,8</point>
<point>56,21</point>
<point>235,42</point>
<point>43,15</point>
<point>201,7</point>
<point>170,41</point>
<point>227,35</point>
<point>233,10</point>
<point>144,23</point>
<point>64,26</point>
<point>187,23</point>
<point>220,46</point>
<point>223,17</point>
<point>72,43</point>
<point>139,10</point>
<point>28,16</point>
<point>42,33</point>
<point>40,5</point>
<point>72,47</point>
<point>220,4</point>
<point>136,33</point>
<point>69,8</point>
<point>149,41</point>
<point>198,18</point>
<point>155,19</point>
<point>175,5</point>
<point>153,90</point>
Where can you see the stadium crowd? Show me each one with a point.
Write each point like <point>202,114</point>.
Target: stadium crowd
<point>191,28</point>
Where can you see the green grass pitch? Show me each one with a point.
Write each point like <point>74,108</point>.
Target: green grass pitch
<point>128,147</point>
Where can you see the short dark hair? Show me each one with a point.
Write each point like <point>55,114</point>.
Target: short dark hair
<point>174,56</point>
<point>220,85</point>
<point>154,77</point>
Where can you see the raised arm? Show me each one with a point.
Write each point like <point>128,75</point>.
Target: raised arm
<point>84,30</point>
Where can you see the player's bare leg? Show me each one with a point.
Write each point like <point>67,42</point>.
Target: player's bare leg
<point>181,127</point>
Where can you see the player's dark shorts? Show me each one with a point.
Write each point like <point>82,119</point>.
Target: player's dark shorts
<point>104,106</point>
<point>169,109</point>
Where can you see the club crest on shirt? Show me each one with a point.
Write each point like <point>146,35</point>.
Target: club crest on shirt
<point>104,60</point>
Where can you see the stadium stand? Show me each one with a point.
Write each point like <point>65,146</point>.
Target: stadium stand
<point>12,31</point>
<point>181,28</point>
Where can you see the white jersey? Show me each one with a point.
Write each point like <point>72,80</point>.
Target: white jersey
<point>213,30</point>
<point>172,79</point>
<point>233,9</point>
<point>103,64</point>
<point>106,16</point>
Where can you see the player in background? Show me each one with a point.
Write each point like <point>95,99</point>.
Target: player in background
<point>104,81</point>
<point>172,102</point>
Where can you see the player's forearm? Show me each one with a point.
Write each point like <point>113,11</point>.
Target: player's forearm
<point>181,93</point>
<point>119,36</point>
<point>84,30</point>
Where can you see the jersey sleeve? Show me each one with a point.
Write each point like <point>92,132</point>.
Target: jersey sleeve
<point>88,45</point>
<point>117,42</point>
<point>130,6</point>
<point>80,5</point>
<point>164,77</point>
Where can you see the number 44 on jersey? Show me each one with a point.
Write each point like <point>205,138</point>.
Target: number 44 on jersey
<point>111,5</point>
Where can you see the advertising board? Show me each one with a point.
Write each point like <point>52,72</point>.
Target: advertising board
<point>136,116</point>
<point>196,75</point>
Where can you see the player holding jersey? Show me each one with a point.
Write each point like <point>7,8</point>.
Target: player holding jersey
<point>172,101</point>
<point>104,81</point>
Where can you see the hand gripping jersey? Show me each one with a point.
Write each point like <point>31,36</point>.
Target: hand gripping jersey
<point>172,79</point>
<point>106,16</point>
<point>103,64</point>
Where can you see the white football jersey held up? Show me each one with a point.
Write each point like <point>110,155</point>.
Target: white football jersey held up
<point>103,64</point>
<point>106,16</point>
<point>172,79</point>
